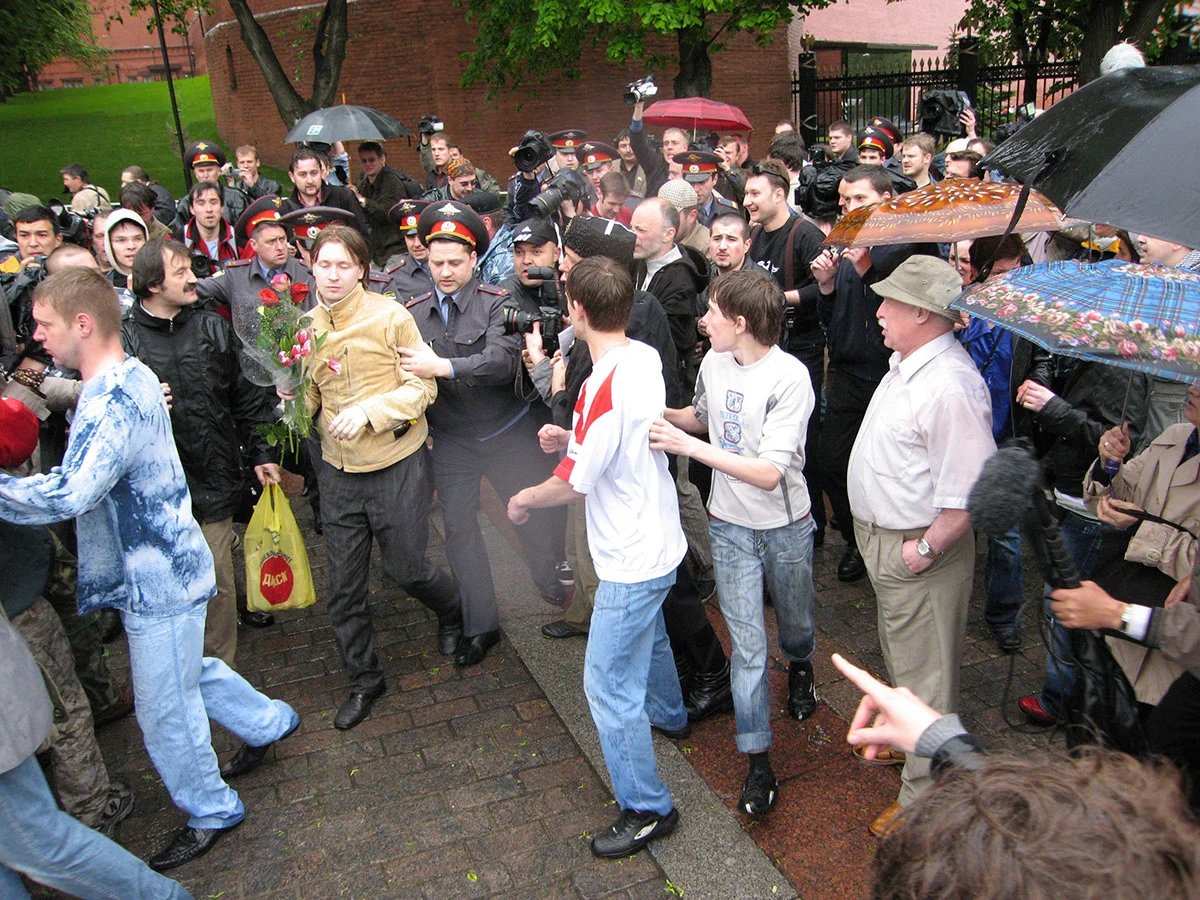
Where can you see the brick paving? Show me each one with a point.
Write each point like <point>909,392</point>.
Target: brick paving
<point>469,783</point>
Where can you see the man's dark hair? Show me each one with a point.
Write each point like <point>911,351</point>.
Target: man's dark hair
<point>1045,825</point>
<point>842,127</point>
<point>985,249</point>
<point>878,176</point>
<point>203,187</point>
<point>75,170</point>
<point>604,289</point>
<point>136,195</point>
<point>137,173</point>
<point>789,150</point>
<point>302,153</point>
<point>773,170</point>
<point>371,147</point>
<point>148,270</point>
<point>733,218</point>
<point>621,135</point>
<point>37,213</point>
<point>756,297</point>
<point>614,183</point>
<point>970,156</point>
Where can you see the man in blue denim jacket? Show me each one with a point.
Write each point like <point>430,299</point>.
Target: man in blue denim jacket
<point>142,553</point>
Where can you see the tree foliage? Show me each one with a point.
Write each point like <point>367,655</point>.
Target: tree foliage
<point>328,49</point>
<point>1036,30</point>
<point>522,42</point>
<point>36,33</point>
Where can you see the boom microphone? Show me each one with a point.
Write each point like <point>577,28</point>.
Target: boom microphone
<point>1008,493</point>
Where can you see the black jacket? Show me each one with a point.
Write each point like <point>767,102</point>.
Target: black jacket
<point>849,314</point>
<point>214,410</point>
<point>677,285</point>
<point>1090,398</point>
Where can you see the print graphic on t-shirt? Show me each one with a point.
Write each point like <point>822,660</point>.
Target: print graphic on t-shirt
<point>732,435</point>
<point>769,267</point>
<point>734,400</point>
<point>601,405</point>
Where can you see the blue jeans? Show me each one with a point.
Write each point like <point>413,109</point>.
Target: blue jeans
<point>742,558</point>
<point>176,690</point>
<point>1088,543</point>
<point>43,843</point>
<point>1004,583</point>
<point>630,681</point>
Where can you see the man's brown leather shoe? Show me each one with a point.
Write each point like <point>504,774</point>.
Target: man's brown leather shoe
<point>886,821</point>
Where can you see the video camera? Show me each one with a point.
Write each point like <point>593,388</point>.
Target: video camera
<point>517,321</point>
<point>641,90</point>
<point>940,111</point>
<point>566,185</point>
<point>818,188</point>
<point>534,150</point>
<point>75,228</point>
<point>202,265</point>
<point>431,124</point>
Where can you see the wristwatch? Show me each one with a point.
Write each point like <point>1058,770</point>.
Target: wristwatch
<point>1126,618</point>
<point>924,549</point>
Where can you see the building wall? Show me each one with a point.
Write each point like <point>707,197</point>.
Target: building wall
<point>924,26</point>
<point>406,64</point>
<point>134,52</point>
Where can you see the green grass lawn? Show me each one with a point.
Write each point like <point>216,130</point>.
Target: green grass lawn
<point>106,129</point>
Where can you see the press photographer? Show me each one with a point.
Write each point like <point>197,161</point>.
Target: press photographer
<point>530,156</point>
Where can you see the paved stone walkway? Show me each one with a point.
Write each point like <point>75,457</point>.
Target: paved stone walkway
<point>488,781</point>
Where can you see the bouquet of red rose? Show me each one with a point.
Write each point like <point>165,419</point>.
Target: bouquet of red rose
<point>278,337</point>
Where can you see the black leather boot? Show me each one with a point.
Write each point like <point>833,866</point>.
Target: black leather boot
<point>802,691</point>
<point>683,667</point>
<point>711,693</point>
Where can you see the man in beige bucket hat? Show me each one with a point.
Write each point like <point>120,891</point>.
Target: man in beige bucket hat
<point>922,444</point>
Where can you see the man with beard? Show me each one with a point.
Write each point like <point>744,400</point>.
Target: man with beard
<point>307,172</point>
<point>728,243</point>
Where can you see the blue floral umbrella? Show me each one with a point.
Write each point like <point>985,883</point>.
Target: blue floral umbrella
<point>1145,318</point>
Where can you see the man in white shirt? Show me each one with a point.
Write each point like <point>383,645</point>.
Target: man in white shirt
<point>922,444</point>
<point>753,400</point>
<point>636,542</point>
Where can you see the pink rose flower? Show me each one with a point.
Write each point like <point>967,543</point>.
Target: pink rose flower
<point>1127,348</point>
<point>335,366</point>
<point>281,282</point>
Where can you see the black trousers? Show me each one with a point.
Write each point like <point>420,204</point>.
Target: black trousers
<point>812,354</point>
<point>510,461</point>
<point>1173,729</point>
<point>846,401</point>
<point>391,506</point>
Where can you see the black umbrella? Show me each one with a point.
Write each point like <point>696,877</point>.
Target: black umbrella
<point>346,123</point>
<point>1119,150</point>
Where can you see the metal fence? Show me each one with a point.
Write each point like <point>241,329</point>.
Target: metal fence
<point>823,97</point>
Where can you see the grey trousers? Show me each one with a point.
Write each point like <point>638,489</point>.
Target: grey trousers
<point>922,623</point>
<point>392,506</point>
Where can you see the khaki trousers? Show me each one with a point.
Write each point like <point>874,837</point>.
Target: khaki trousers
<point>922,622</point>
<point>220,626</point>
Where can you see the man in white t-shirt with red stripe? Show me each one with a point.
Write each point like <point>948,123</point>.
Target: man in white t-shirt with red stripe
<point>636,541</point>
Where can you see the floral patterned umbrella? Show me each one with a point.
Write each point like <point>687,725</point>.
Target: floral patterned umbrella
<point>954,209</point>
<point>1145,318</point>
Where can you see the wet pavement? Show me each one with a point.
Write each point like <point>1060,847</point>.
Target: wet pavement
<point>488,781</point>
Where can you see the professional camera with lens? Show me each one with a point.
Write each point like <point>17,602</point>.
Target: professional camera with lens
<point>430,125</point>
<point>517,321</point>
<point>566,185</point>
<point>74,228</point>
<point>534,150</point>
<point>202,266</point>
<point>641,90</point>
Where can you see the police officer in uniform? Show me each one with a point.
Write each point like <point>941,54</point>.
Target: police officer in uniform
<point>702,170</point>
<point>205,159</point>
<point>406,275</point>
<point>478,424</point>
<point>307,223</point>
<point>236,287</point>
<point>566,145</point>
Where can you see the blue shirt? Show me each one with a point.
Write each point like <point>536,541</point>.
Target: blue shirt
<point>140,548</point>
<point>991,348</point>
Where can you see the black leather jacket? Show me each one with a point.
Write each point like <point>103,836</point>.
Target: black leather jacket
<point>214,410</point>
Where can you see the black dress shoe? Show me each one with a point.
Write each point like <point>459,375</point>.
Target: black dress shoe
<point>450,634</point>
<point>255,619</point>
<point>711,693</point>
<point>472,650</point>
<point>1007,639</point>
<point>802,691</point>
<point>676,734</point>
<point>189,844</point>
<point>249,758</point>
<point>356,707</point>
<point>632,831</point>
<point>851,567</point>
<point>560,628</point>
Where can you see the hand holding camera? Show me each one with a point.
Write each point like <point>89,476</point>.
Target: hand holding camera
<point>641,90</point>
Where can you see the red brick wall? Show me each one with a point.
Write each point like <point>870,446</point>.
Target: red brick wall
<point>407,66</point>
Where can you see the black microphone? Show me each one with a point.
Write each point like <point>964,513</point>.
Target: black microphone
<point>1009,493</point>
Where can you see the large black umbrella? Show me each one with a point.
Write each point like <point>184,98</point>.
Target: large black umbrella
<point>1119,150</point>
<point>346,123</point>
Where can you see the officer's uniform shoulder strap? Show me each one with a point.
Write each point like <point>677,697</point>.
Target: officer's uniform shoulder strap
<point>493,289</point>
<point>415,300</point>
<point>238,263</point>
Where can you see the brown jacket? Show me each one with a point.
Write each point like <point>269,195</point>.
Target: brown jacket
<point>362,333</point>
<point>1155,481</point>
